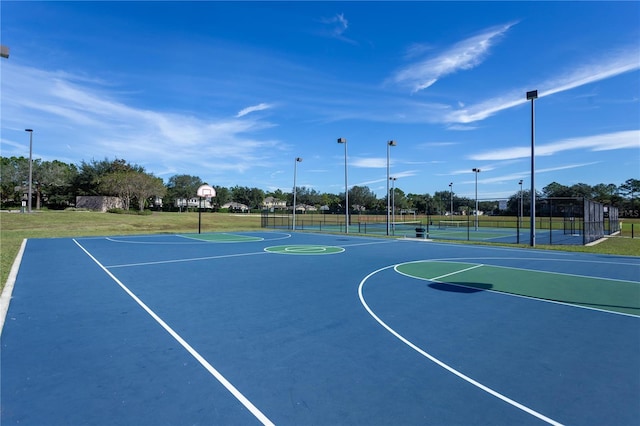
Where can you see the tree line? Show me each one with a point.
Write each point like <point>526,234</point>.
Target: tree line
<point>56,184</point>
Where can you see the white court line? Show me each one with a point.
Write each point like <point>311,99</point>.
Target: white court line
<point>199,259</point>
<point>538,259</point>
<point>5,298</point>
<point>215,373</point>
<point>191,259</point>
<point>441,363</point>
<point>246,238</point>
<point>370,243</point>
<point>456,272</point>
<point>521,296</point>
<point>129,239</point>
<point>114,240</point>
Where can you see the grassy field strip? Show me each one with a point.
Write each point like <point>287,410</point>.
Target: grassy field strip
<point>598,293</point>
<point>14,227</point>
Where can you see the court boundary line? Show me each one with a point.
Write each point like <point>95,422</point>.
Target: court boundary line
<point>191,240</point>
<point>190,237</point>
<point>215,373</point>
<point>442,364</point>
<point>7,291</point>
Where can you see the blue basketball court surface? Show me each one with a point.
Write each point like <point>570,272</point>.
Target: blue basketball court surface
<point>300,329</point>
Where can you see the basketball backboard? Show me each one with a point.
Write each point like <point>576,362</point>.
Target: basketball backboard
<point>206,191</point>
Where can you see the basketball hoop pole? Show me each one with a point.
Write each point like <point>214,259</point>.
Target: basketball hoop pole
<point>203,191</point>
<point>199,213</point>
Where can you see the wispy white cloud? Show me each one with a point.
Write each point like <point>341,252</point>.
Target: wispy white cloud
<point>483,169</point>
<point>620,62</point>
<point>603,142</point>
<point>461,128</point>
<point>404,174</point>
<point>399,175</point>
<point>74,109</point>
<point>437,144</point>
<point>337,25</point>
<point>484,109</point>
<point>464,55</point>
<point>525,175</point>
<point>371,162</point>
<point>254,108</point>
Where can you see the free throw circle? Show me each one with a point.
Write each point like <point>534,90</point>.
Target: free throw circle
<point>304,249</point>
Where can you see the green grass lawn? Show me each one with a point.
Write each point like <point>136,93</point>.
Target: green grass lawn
<point>14,227</point>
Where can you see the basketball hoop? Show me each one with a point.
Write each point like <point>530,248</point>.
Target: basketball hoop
<point>206,191</point>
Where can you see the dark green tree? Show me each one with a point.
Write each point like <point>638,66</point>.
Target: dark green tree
<point>223,196</point>
<point>88,179</point>
<point>361,196</point>
<point>554,189</point>
<point>14,174</point>
<point>182,187</point>
<point>55,183</point>
<point>630,188</point>
<point>145,187</point>
<point>582,190</point>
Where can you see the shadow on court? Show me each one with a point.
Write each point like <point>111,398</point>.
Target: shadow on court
<point>461,287</point>
<point>470,287</point>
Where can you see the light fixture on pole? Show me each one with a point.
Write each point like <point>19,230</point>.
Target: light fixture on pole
<point>30,193</point>
<point>295,171</point>
<point>346,187</point>
<point>521,209</point>
<point>532,95</point>
<point>476,171</point>
<point>451,198</point>
<point>389,145</point>
<point>393,206</point>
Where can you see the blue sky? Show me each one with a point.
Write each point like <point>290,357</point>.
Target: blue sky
<point>233,92</point>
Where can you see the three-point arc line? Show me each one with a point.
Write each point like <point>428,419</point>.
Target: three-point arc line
<point>441,363</point>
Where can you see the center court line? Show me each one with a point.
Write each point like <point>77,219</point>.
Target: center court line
<point>441,363</point>
<point>215,373</point>
<point>198,259</point>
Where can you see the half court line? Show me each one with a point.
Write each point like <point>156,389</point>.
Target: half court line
<point>215,373</point>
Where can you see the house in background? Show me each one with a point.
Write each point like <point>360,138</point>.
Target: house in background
<point>304,208</point>
<point>233,206</point>
<point>193,202</point>
<point>272,203</point>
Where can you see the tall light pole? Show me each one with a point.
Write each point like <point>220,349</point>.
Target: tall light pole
<point>30,192</point>
<point>393,205</point>
<point>295,171</point>
<point>521,210</point>
<point>389,145</point>
<point>451,198</point>
<point>532,95</point>
<point>476,171</point>
<point>346,187</point>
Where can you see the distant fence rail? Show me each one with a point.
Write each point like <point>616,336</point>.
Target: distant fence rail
<point>582,223</point>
